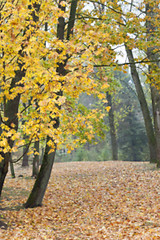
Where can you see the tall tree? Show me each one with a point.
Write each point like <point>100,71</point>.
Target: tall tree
<point>152,26</point>
<point>144,107</point>
<point>38,191</point>
<point>129,24</point>
<point>53,76</point>
<point>13,71</point>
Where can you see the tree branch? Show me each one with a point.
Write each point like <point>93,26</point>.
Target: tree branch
<point>103,4</point>
<point>24,152</point>
<point>123,64</point>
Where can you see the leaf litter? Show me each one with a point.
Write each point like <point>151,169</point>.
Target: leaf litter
<point>86,200</point>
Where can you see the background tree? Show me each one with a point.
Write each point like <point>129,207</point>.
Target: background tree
<point>25,157</point>
<point>152,29</point>
<point>129,20</point>
<point>144,107</point>
<point>132,139</point>
<point>114,143</point>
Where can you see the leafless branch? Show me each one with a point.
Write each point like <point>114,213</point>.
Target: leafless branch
<point>127,63</point>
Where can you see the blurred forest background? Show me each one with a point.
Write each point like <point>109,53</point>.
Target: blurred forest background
<point>128,122</point>
<point>129,136</point>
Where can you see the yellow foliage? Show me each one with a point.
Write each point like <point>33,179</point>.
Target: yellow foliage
<point>108,108</point>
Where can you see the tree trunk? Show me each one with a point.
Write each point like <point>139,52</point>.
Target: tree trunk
<point>156,116</point>
<point>3,170</point>
<point>41,157</point>
<point>157,123</point>
<point>35,168</point>
<point>38,191</point>
<point>153,56</point>
<point>132,139</point>
<point>12,168</point>
<point>25,156</point>
<point>10,112</point>
<point>25,147</point>
<point>11,108</point>
<point>114,144</point>
<point>39,188</point>
<point>144,107</point>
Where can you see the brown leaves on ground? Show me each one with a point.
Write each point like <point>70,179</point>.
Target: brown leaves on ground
<point>86,200</point>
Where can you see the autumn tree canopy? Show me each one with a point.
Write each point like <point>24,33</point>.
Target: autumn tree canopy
<point>26,46</point>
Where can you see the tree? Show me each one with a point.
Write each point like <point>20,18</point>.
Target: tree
<point>130,23</point>
<point>38,191</point>
<point>52,77</point>
<point>152,26</point>
<point>13,71</point>
<point>144,107</point>
<point>35,168</point>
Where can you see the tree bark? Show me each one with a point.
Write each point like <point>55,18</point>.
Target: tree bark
<point>35,168</point>
<point>38,191</point>
<point>10,111</point>
<point>25,147</point>
<point>12,168</point>
<point>25,156</point>
<point>144,107</point>
<point>153,55</point>
<point>72,18</point>
<point>114,144</point>
<point>3,170</point>
<point>157,122</point>
<point>41,157</point>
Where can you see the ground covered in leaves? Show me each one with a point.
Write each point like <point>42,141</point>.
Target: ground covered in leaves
<point>85,200</point>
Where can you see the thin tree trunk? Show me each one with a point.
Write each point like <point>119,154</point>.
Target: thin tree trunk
<point>157,123</point>
<point>25,156</point>
<point>144,107</point>
<point>25,147</point>
<point>114,144</point>
<point>132,139</point>
<point>12,168</point>
<point>35,168</point>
